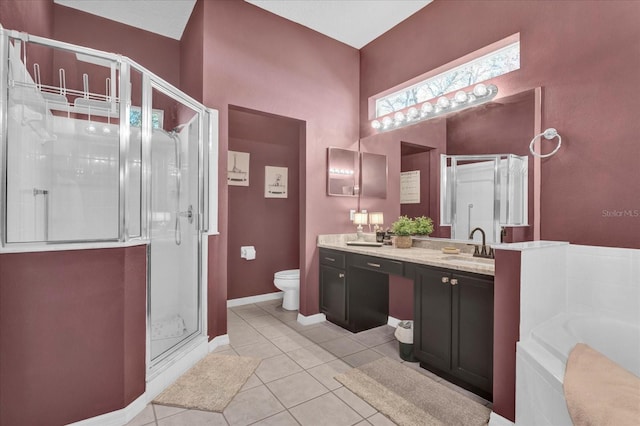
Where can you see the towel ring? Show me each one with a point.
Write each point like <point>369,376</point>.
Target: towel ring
<point>548,134</point>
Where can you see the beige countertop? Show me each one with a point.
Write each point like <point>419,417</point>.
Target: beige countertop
<point>424,256</point>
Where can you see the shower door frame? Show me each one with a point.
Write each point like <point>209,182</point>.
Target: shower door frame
<point>151,82</point>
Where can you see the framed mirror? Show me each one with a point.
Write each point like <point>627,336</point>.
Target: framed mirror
<point>342,172</point>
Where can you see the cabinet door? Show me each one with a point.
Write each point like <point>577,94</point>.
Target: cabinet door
<point>433,311</point>
<point>333,293</point>
<point>472,317</point>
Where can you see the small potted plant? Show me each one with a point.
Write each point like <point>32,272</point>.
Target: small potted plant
<point>423,225</point>
<point>403,228</point>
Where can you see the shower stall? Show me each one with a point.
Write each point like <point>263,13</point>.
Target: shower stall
<point>99,152</point>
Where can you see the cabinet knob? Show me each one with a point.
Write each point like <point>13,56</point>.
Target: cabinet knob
<point>445,279</point>
<point>454,281</point>
<point>340,275</point>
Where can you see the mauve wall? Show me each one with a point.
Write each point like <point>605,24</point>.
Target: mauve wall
<point>581,54</point>
<point>159,54</point>
<point>257,60</point>
<point>72,334</point>
<point>271,225</point>
<point>192,54</point>
<point>33,17</point>
<point>421,162</point>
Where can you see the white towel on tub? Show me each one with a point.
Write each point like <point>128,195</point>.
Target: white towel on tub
<point>599,391</point>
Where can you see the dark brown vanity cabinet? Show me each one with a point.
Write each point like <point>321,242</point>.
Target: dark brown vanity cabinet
<point>453,335</point>
<point>354,289</point>
<point>333,286</point>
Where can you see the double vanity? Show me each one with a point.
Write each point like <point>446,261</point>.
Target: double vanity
<point>452,305</point>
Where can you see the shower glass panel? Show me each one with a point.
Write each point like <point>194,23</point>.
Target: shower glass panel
<point>174,223</point>
<point>486,191</point>
<point>62,169</point>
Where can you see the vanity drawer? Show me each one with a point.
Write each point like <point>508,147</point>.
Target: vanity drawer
<point>378,264</point>
<point>332,258</point>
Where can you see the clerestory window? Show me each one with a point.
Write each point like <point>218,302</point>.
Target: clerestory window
<point>493,64</point>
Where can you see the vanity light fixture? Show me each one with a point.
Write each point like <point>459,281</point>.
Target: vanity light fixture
<point>360,219</point>
<point>337,171</point>
<point>376,219</point>
<point>443,105</point>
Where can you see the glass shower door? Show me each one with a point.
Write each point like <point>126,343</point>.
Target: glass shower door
<point>174,187</point>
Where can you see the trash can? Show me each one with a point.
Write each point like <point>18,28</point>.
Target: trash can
<point>404,334</point>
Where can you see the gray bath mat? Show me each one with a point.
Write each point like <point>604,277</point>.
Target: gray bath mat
<point>210,384</point>
<point>410,398</point>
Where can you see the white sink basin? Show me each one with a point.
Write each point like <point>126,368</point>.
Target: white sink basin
<point>476,260</point>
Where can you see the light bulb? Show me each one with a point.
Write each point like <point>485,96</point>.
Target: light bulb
<point>443,102</point>
<point>376,124</point>
<point>460,97</point>
<point>106,130</point>
<point>399,117</point>
<point>386,122</point>
<point>91,128</point>
<point>472,98</point>
<point>412,113</point>
<point>480,90</point>
<point>426,108</point>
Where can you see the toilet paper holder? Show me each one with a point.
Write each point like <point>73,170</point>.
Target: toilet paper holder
<point>248,252</point>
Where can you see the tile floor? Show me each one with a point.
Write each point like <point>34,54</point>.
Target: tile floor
<point>293,385</point>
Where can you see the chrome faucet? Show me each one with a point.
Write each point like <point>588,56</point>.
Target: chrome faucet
<point>485,251</point>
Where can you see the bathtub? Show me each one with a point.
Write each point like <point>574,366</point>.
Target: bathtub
<point>541,359</point>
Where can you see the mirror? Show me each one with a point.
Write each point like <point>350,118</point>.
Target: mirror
<point>373,175</point>
<point>504,125</point>
<point>342,172</point>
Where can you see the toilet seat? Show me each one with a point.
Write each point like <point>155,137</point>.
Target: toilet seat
<point>289,274</point>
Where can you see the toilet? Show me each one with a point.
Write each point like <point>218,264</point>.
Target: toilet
<point>289,282</point>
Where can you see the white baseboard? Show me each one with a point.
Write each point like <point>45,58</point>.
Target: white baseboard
<point>218,341</point>
<point>311,319</point>
<point>118,417</point>
<point>497,420</point>
<point>393,322</point>
<point>255,299</point>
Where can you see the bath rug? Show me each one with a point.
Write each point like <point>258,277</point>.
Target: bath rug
<point>410,398</point>
<point>210,384</point>
<point>598,391</point>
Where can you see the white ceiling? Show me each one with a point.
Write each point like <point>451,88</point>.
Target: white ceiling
<point>353,22</point>
<point>164,17</point>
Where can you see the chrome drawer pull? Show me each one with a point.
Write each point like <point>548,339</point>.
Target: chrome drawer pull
<point>375,265</point>
<point>445,279</point>
<point>454,281</point>
<point>330,259</point>
<point>341,275</point>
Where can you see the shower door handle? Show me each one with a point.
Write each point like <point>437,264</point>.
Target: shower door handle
<point>188,214</point>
